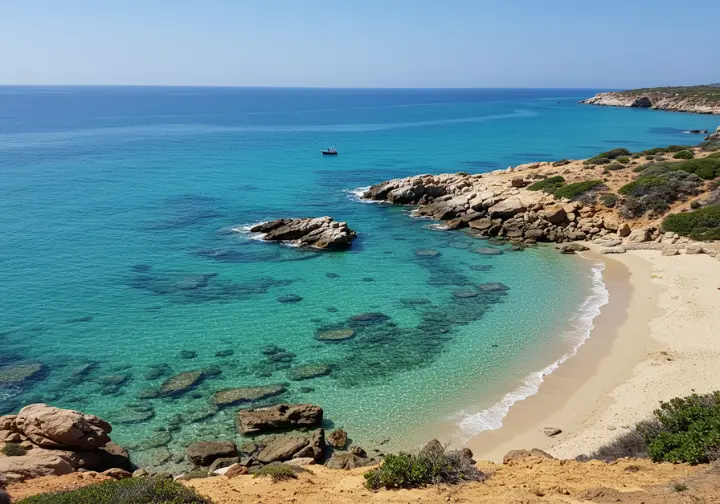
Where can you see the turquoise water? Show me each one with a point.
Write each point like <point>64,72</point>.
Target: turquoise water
<point>118,252</point>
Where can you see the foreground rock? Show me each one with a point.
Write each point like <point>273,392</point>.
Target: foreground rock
<point>51,427</point>
<point>317,233</point>
<point>53,441</point>
<point>280,416</point>
<point>205,453</point>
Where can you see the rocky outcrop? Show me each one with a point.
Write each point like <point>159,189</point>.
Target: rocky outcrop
<point>492,205</point>
<point>316,233</point>
<point>280,416</point>
<point>51,427</point>
<point>338,439</point>
<point>205,453</point>
<point>53,441</point>
<point>657,99</point>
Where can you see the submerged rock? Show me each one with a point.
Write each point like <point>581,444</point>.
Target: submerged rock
<point>129,416</point>
<point>19,372</point>
<point>335,335</point>
<point>180,383</point>
<point>308,371</point>
<point>232,396</point>
<point>280,416</point>
<point>493,287</point>
<point>319,233</point>
<point>488,251</point>
<point>366,319</point>
<point>427,253</point>
<point>290,298</point>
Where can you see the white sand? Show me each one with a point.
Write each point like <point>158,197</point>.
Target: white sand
<point>658,338</point>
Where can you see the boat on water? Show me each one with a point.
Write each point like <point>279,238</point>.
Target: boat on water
<point>330,151</point>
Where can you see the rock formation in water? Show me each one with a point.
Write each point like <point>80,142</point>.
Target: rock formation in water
<point>695,99</point>
<point>321,233</point>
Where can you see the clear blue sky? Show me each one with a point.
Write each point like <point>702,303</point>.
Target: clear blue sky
<point>360,43</point>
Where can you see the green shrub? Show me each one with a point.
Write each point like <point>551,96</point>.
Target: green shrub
<point>549,185</point>
<point>706,168</point>
<point>702,224</point>
<point>714,155</point>
<point>13,450</point>
<point>641,168</point>
<point>695,205</point>
<point>684,154</point>
<point>128,491</point>
<point>683,429</point>
<point>611,154</point>
<point>656,189</point>
<point>608,199</point>
<point>653,151</point>
<point>677,148</point>
<point>623,159</point>
<point>572,190</point>
<point>616,166</point>
<point>279,472</point>
<point>430,467</point>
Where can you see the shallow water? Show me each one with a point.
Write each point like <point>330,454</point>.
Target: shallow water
<point>120,267</point>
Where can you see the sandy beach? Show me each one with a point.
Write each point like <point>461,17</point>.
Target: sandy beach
<point>656,339</point>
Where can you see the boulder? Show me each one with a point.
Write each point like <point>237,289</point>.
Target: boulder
<point>113,456</point>
<point>551,431</point>
<point>507,208</point>
<point>117,474</point>
<point>348,461</point>
<point>481,224</point>
<point>624,230</point>
<point>693,249</point>
<point>301,461</point>
<point>669,251</point>
<point>571,248</point>
<point>282,448</point>
<point>34,464</point>
<point>357,450</point>
<point>555,214</point>
<point>235,470</point>
<point>337,439</point>
<point>318,233</point>
<point>51,427</point>
<point>4,497</point>
<point>280,416</point>
<point>639,235</point>
<point>315,448</point>
<point>205,453</point>
<point>229,397</point>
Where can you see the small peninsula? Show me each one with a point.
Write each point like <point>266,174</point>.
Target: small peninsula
<point>703,99</point>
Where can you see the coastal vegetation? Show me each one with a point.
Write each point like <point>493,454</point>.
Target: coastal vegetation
<point>13,450</point>
<point>656,189</point>
<point>433,465</point>
<point>683,429</point>
<point>279,472</point>
<point>700,224</point>
<point>548,185</point>
<point>608,156</point>
<point>571,191</point>
<point>684,154</point>
<point>145,490</point>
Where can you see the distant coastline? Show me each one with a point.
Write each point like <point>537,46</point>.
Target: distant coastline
<point>693,99</point>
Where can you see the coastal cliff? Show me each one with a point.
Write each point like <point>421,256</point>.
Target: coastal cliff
<point>694,99</point>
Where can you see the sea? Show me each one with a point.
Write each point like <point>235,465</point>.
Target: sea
<point>126,257</point>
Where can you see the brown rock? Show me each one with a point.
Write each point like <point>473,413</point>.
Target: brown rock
<point>348,461</point>
<point>51,427</point>
<point>318,233</point>
<point>34,464</point>
<point>117,474</point>
<point>481,224</point>
<point>236,470</point>
<point>624,230</point>
<point>551,431</point>
<point>113,456</point>
<point>555,214</point>
<point>280,416</point>
<point>204,453</point>
<point>282,448</point>
<point>571,248</point>
<point>337,439</point>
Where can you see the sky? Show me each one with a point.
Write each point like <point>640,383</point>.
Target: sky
<point>360,43</point>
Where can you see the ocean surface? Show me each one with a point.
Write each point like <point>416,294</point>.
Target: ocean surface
<point>120,267</point>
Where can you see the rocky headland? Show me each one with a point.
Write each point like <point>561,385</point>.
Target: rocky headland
<point>322,233</point>
<point>594,199</point>
<point>695,99</point>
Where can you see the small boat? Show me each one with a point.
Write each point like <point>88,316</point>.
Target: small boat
<point>329,152</point>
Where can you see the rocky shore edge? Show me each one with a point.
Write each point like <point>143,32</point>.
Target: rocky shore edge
<point>656,100</point>
<point>43,440</point>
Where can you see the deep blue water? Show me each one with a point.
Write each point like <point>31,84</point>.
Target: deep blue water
<point>117,253</point>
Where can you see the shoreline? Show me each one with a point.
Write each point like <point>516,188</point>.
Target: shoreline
<point>619,375</point>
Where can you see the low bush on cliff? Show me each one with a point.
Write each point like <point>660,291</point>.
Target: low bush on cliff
<point>279,472</point>
<point>571,191</point>
<point>656,189</point>
<point>684,429</point>
<point>128,491</point>
<point>701,224</point>
<point>429,467</point>
<point>608,199</point>
<point>706,168</point>
<point>549,185</point>
<point>606,157</point>
<point>684,154</point>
